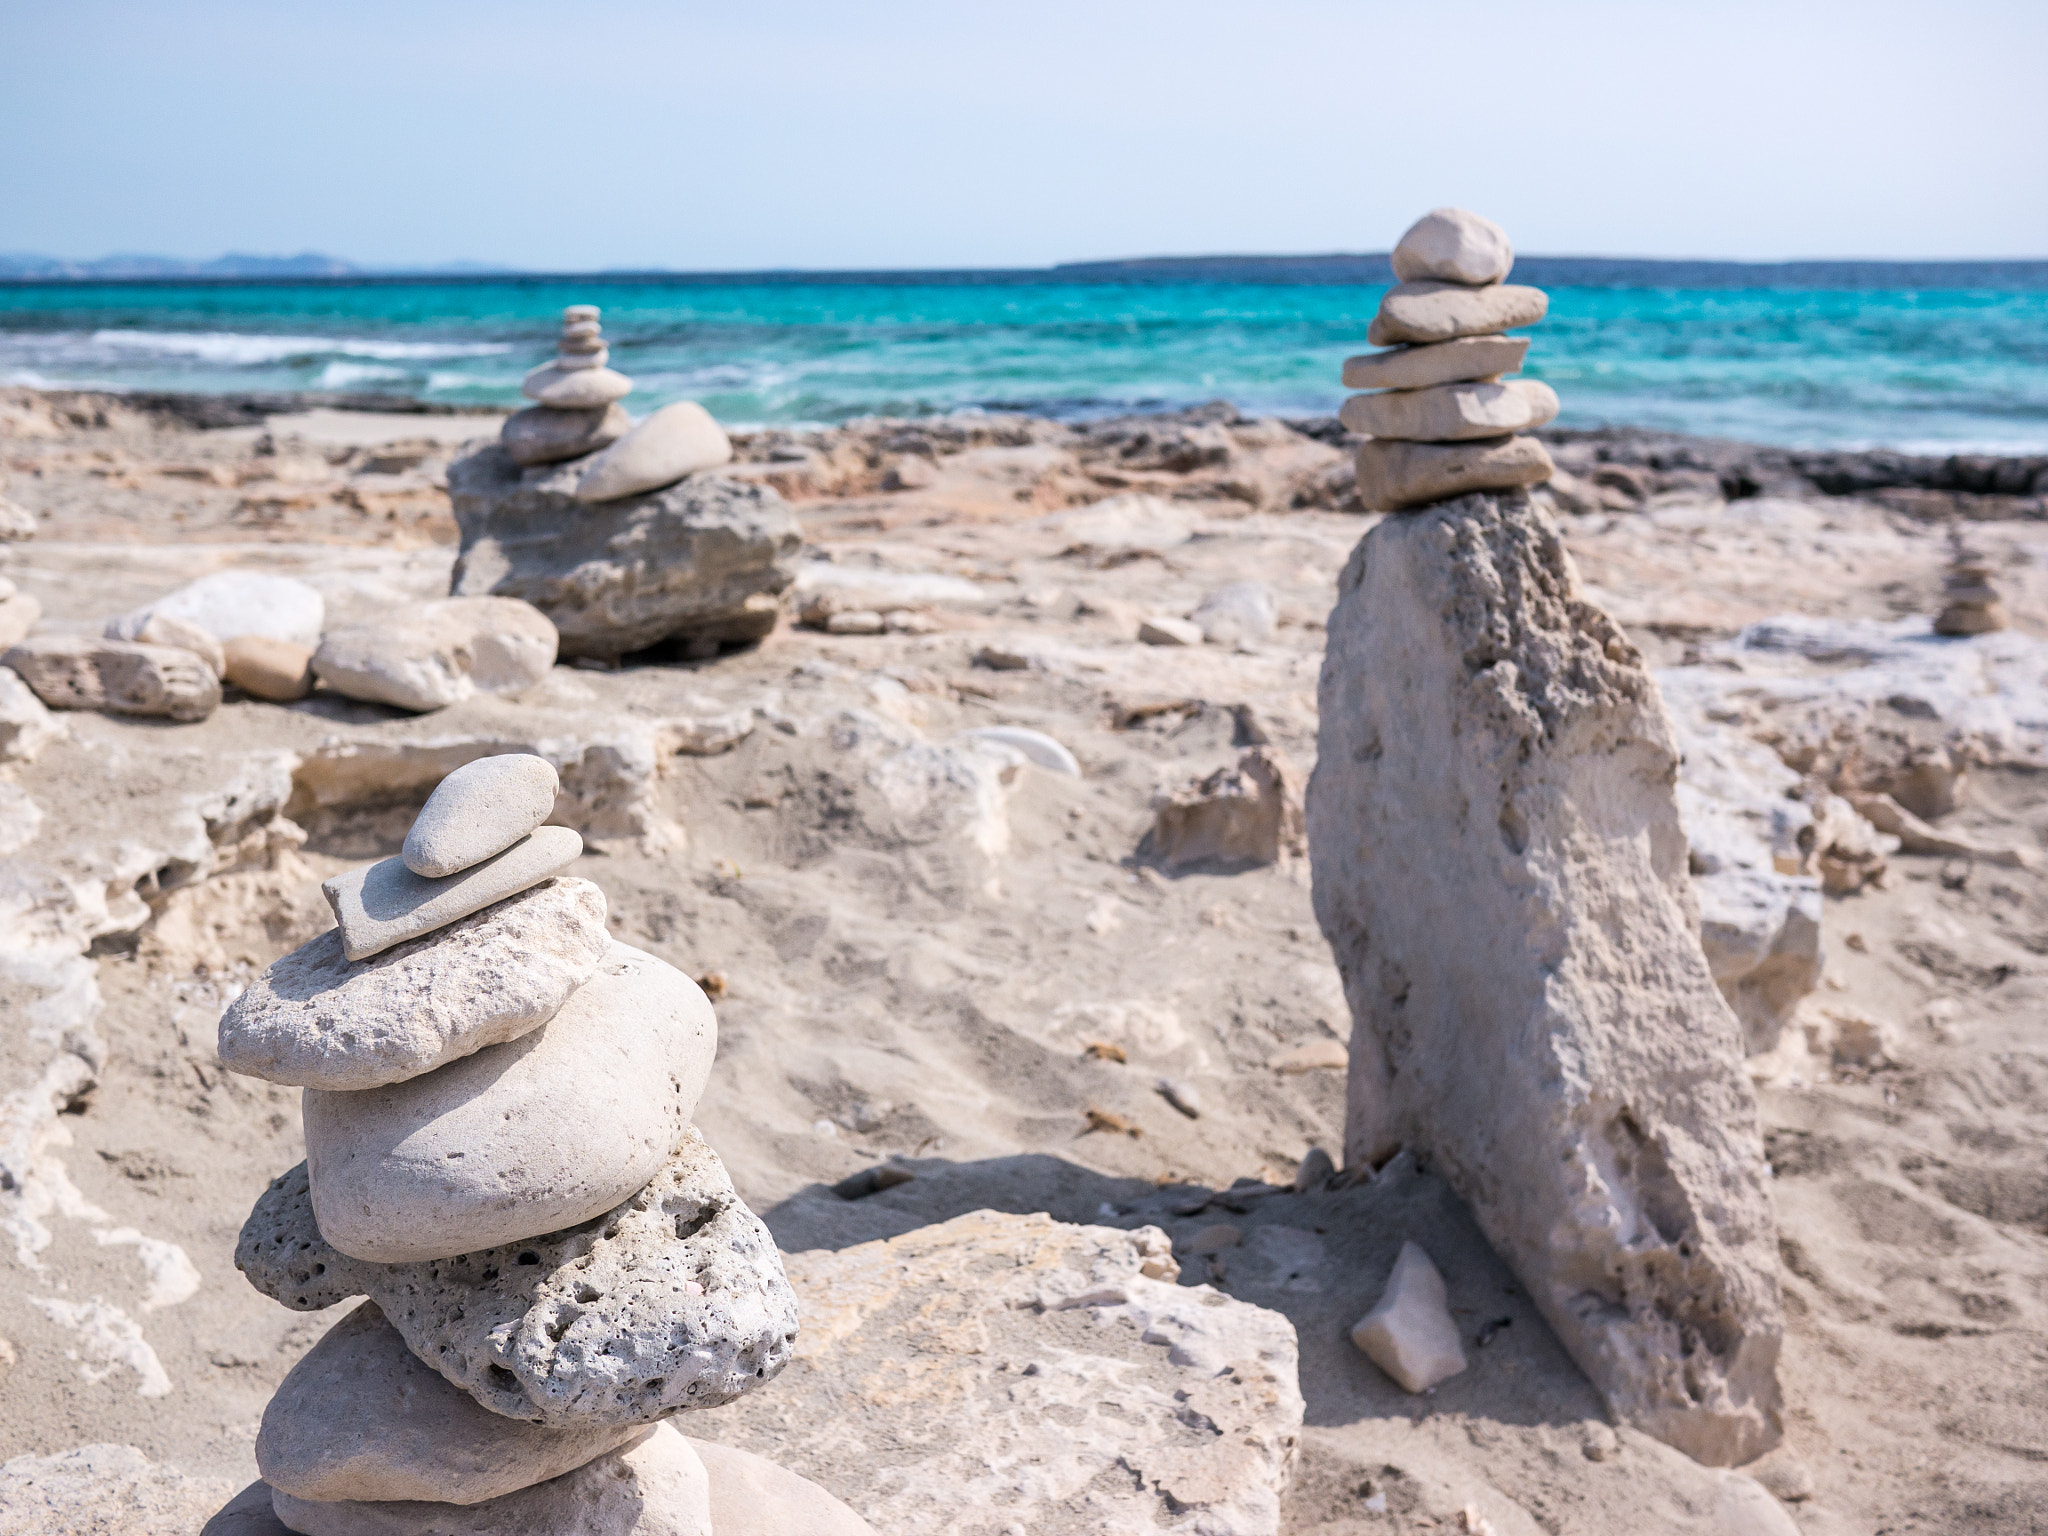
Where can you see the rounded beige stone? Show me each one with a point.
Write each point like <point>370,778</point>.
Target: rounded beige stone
<point>278,671</point>
<point>1430,312</point>
<point>1452,245</point>
<point>1452,413</point>
<point>480,809</point>
<point>575,389</point>
<point>675,441</point>
<point>519,1139</point>
<point>1443,362</point>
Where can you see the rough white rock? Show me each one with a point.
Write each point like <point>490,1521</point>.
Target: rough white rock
<point>675,441</point>
<point>543,1132</point>
<point>441,654</point>
<point>26,724</point>
<point>1246,814</point>
<point>162,629</point>
<point>655,1486</point>
<point>1242,613</point>
<point>18,615</point>
<point>1395,475</point>
<point>1162,629</point>
<point>121,676</point>
<point>1501,873</point>
<point>541,435</point>
<point>480,809</point>
<point>1450,245</point>
<point>231,603</point>
<point>675,1299</point>
<point>384,904</point>
<point>1425,312</point>
<point>1410,1333</point>
<point>1452,413</point>
<point>316,1020</point>
<point>362,1417</point>
<point>1444,362</point>
<point>103,1489</point>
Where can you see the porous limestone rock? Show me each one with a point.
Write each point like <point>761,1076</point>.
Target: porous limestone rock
<point>675,1299</point>
<point>26,725</point>
<point>1500,870</point>
<point>1450,245</point>
<point>1054,1374</point>
<point>706,560</point>
<point>231,603</point>
<point>480,809</point>
<point>752,1496</point>
<point>1443,362</point>
<point>1452,413</point>
<point>121,676</point>
<point>541,435</point>
<point>1245,814</point>
<point>163,629</point>
<point>575,389</point>
<point>540,1133</point>
<point>1394,475</point>
<point>1422,312</point>
<point>385,903</point>
<point>317,1020</point>
<point>275,670</point>
<point>675,441</point>
<point>1410,1333</point>
<point>655,1486</point>
<point>441,654</point>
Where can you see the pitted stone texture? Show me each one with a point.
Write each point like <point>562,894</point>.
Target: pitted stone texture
<point>541,1133</point>
<point>654,1487</point>
<point>480,809</point>
<point>1452,413</point>
<point>362,1417</point>
<point>1501,873</point>
<point>1394,475</point>
<point>1450,245</point>
<point>317,1020</point>
<point>121,676</point>
<point>1442,311</point>
<point>707,559</point>
<point>541,435</point>
<point>675,1299</point>
<point>1443,362</point>
<point>675,441</point>
<point>384,904</point>
<point>440,655</point>
<point>752,1496</point>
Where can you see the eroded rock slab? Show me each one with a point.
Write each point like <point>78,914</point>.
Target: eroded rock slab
<point>123,676</point>
<point>1500,870</point>
<point>675,1299</point>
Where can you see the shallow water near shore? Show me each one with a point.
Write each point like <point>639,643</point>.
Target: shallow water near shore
<point>1924,369</point>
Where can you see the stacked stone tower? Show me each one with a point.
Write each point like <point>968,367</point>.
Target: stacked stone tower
<point>500,1158</point>
<point>1443,422</point>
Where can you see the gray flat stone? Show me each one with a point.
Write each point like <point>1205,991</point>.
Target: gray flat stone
<point>362,1417</point>
<point>1452,413</point>
<point>543,435</point>
<point>482,808</point>
<point>1393,475</point>
<point>575,389</point>
<point>315,1019</point>
<point>656,1486</point>
<point>384,904</point>
<point>248,1513</point>
<point>1443,362</point>
<point>674,1299</point>
<point>1443,311</point>
<point>543,1132</point>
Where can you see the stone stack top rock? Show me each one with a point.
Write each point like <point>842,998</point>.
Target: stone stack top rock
<point>1450,245</point>
<point>1970,604</point>
<point>577,378</point>
<point>480,809</point>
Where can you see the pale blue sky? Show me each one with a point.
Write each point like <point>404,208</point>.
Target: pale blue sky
<point>795,133</point>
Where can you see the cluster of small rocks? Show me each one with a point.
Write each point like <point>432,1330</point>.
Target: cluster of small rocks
<point>1442,421</point>
<point>500,1157</point>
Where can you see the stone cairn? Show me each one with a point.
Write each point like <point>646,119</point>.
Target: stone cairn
<point>500,1158</point>
<point>1970,605</point>
<point>1443,423</point>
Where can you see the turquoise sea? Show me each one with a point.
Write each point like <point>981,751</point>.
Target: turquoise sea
<point>1928,359</point>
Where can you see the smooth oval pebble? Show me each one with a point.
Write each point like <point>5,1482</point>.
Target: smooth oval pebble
<point>675,441</point>
<point>575,389</point>
<point>1450,245</point>
<point>480,809</point>
<point>519,1139</point>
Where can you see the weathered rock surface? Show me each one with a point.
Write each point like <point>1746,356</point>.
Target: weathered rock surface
<point>707,559</point>
<point>1053,1373</point>
<point>1422,312</point>
<point>1246,814</point>
<point>480,809</point>
<point>1452,413</point>
<point>277,670</point>
<point>316,1020</point>
<point>677,440</point>
<point>1394,475</point>
<point>1444,362</point>
<point>362,1417</point>
<point>103,1490</point>
<point>383,904</point>
<point>654,1487</point>
<point>84,672</point>
<point>231,603</point>
<point>542,435</point>
<point>177,634</point>
<point>752,1496</point>
<point>1500,870</point>
<point>18,615</point>
<point>1410,1333</point>
<point>26,724</point>
<point>675,1299</point>
<point>441,654</point>
<point>1450,245</point>
<point>534,1135</point>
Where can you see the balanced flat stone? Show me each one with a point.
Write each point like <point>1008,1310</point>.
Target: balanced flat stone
<point>1450,245</point>
<point>675,1299</point>
<point>1442,311</point>
<point>1443,362</point>
<point>385,903</point>
<point>1393,475</point>
<point>752,1496</point>
<point>72,671</point>
<point>543,435</point>
<point>572,357</point>
<point>275,670</point>
<point>1410,1333</point>
<point>317,1020</point>
<point>575,389</point>
<point>362,1417</point>
<point>538,1134</point>
<point>1452,413</point>
<point>656,1486</point>
<point>675,441</point>
<point>480,809</point>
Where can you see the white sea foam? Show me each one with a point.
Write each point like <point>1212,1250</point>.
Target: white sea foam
<point>347,375</point>
<point>244,350</point>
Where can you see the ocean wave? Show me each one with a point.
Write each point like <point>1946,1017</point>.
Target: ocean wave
<point>236,348</point>
<point>347,375</point>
